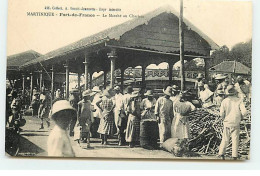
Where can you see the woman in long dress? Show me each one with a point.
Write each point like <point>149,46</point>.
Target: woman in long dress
<point>133,124</point>
<point>107,119</point>
<point>180,126</point>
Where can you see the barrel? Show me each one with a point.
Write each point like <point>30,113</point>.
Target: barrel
<point>149,133</point>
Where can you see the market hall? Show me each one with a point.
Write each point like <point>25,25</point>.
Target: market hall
<point>152,39</point>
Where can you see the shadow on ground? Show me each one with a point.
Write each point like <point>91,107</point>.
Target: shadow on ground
<point>28,148</point>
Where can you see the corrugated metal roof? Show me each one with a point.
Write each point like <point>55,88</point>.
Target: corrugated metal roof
<point>231,67</point>
<point>116,32</point>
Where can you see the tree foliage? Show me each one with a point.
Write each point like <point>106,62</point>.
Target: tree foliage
<point>241,52</point>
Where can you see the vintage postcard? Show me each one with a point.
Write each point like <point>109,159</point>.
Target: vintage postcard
<point>161,79</point>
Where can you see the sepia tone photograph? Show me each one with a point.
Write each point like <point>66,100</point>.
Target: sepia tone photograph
<point>168,79</point>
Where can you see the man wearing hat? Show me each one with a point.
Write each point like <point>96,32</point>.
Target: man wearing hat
<point>97,114</point>
<point>199,79</point>
<point>221,82</point>
<point>198,82</point>
<point>232,110</point>
<point>73,99</point>
<point>148,105</point>
<point>243,87</point>
<point>122,123</point>
<point>118,100</point>
<point>205,95</point>
<point>164,114</point>
<point>175,95</point>
<point>97,95</point>
<point>85,116</point>
<point>44,109</point>
<point>218,97</point>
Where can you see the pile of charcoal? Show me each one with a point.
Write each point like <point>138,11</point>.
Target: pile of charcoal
<point>206,128</point>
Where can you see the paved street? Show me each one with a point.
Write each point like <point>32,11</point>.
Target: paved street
<point>34,143</point>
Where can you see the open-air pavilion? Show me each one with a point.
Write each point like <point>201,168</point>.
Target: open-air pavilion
<point>152,39</point>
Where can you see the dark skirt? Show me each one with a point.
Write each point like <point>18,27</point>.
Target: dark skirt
<point>132,129</point>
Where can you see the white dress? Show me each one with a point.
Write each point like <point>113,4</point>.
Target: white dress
<point>59,144</point>
<point>180,126</point>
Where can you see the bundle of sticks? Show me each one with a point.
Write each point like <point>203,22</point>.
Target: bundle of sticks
<point>206,132</point>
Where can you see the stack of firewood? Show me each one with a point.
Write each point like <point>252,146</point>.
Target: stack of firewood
<point>206,132</point>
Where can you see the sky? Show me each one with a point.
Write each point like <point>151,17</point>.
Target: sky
<point>225,22</point>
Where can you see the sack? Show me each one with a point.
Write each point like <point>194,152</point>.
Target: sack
<point>175,146</point>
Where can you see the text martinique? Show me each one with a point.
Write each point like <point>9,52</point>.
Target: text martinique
<point>40,14</point>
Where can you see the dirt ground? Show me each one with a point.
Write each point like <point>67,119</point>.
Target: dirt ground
<point>33,143</point>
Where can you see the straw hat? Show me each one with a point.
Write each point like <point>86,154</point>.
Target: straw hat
<point>199,76</point>
<point>168,91</point>
<point>60,106</point>
<point>149,93</point>
<point>117,88</point>
<point>135,94</point>
<point>87,93</point>
<point>231,90</point>
<point>96,89</point>
<point>220,76</point>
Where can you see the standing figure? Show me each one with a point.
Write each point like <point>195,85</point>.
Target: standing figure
<point>58,141</point>
<point>180,126</point>
<point>221,82</point>
<point>44,109</point>
<point>218,98</point>
<point>8,111</point>
<point>107,120</point>
<point>123,116</point>
<point>232,110</point>
<point>73,99</point>
<point>85,116</point>
<point>133,124</point>
<point>243,87</point>
<point>205,95</point>
<point>118,100</point>
<point>58,94</point>
<point>149,131</point>
<point>35,104</point>
<point>164,114</point>
<point>148,105</point>
<point>16,106</point>
<point>175,94</point>
<point>97,112</point>
<point>198,81</point>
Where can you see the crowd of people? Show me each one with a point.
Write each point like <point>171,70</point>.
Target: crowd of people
<point>110,112</point>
